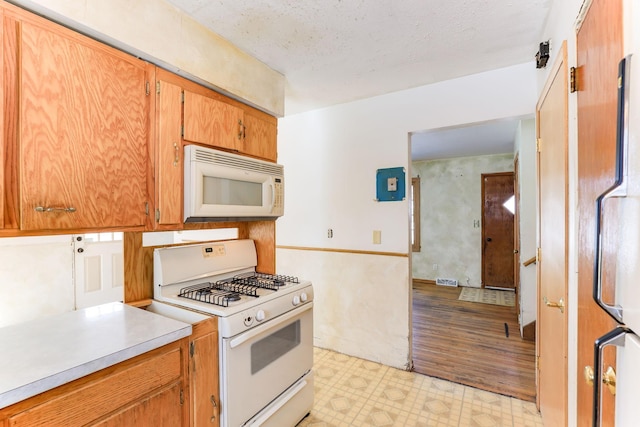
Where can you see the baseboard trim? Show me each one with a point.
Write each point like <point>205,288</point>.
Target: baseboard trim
<point>424,282</point>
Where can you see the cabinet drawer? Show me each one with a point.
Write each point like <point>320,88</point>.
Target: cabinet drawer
<point>95,399</point>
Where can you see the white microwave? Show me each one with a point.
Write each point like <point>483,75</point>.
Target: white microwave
<point>220,186</point>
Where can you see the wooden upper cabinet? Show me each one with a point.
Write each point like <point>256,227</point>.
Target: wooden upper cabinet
<point>260,135</point>
<point>212,122</point>
<point>169,157</point>
<point>83,131</point>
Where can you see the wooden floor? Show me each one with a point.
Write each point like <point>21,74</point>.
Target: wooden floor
<point>465,342</point>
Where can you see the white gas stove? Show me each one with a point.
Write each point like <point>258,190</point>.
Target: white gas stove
<point>265,328</point>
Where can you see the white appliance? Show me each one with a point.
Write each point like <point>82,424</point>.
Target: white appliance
<point>624,306</point>
<point>223,186</point>
<point>265,328</point>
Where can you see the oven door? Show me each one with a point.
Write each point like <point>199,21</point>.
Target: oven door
<point>260,364</point>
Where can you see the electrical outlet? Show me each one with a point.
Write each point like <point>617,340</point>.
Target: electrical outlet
<point>377,237</point>
<point>330,233</point>
<point>435,267</point>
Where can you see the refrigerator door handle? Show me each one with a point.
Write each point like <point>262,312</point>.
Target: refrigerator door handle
<point>618,189</point>
<point>615,337</point>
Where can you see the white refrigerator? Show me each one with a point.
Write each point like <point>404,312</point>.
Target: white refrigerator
<point>624,306</point>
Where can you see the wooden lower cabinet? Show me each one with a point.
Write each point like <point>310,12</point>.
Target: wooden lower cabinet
<point>148,390</point>
<point>203,374</point>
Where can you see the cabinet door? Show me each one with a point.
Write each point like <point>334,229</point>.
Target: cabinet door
<point>161,409</point>
<point>211,122</point>
<point>260,137</point>
<point>169,161</point>
<point>204,375</point>
<point>83,132</point>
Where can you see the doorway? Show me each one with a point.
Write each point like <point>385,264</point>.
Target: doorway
<point>450,247</point>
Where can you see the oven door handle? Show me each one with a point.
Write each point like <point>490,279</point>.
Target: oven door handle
<point>246,336</point>
<point>279,403</point>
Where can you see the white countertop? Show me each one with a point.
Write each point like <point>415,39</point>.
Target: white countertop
<point>42,354</point>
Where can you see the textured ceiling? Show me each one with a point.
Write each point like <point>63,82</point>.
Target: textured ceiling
<point>336,51</point>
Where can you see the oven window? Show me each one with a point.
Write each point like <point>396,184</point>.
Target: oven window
<point>231,192</point>
<point>275,345</point>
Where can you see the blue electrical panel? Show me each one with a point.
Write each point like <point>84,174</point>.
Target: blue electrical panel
<point>390,185</point>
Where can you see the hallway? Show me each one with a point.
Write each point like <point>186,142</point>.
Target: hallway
<point>466,342</point>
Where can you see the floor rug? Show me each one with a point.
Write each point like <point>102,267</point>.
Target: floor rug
<point>488,296</point>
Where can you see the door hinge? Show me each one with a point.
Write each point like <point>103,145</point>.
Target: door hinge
<point>181,397</point>
<point>538,145</point>
<point>146,208</point>
<point>147,88</point>
<point>538,255</point>
<point>157,88</point>
<point>182,96</point>
<point>192,348</point>
<point>157,215</point>
<point>538,362</point>
<point>573,83</point>
<point>182,131</point>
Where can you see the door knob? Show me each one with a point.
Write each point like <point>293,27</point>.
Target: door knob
<point>488,239</point>
<point>588,375</point>
<point>608,378</point>
<point>559,304</point>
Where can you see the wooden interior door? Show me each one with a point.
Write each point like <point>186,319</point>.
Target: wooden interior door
<point>551,119</point>
<point>497,231</point>
<point>599,48</point>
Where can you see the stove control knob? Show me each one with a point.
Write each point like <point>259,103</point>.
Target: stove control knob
<point>260,315</point>
<point>296,300</point>
<point>248,320</point>
<point>303,297</point>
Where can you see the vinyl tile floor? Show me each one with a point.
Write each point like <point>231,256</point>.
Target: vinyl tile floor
<point>355,392</point>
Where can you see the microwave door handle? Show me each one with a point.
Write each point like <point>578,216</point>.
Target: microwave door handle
<point>273,197</point>
<point>619,187</point>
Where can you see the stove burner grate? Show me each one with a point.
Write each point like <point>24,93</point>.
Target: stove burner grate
<point>225,291</point>
<point>209,293</point>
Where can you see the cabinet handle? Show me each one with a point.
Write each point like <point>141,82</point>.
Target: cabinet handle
<point>176,159</point>
<point>52,209</point>
<point>242,130</point>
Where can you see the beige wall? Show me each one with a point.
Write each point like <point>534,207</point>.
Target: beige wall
<point>158,32</point>
<point>450,205</point>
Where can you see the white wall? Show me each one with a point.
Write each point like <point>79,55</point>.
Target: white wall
<point>158,32</point>
<point>36,278</point>
<point>331,156</point>
<point>450,216</point>
<point>525,146</point>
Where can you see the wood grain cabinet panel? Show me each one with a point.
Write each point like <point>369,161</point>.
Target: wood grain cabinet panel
<point>83,131</point>
<point>149,389</point>
<point>260,136</point>
<point>169,160</point>
<point>203,374</point>
<point>211,122</point>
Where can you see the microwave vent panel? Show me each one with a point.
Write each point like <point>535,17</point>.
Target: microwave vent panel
<point>238,162</point>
